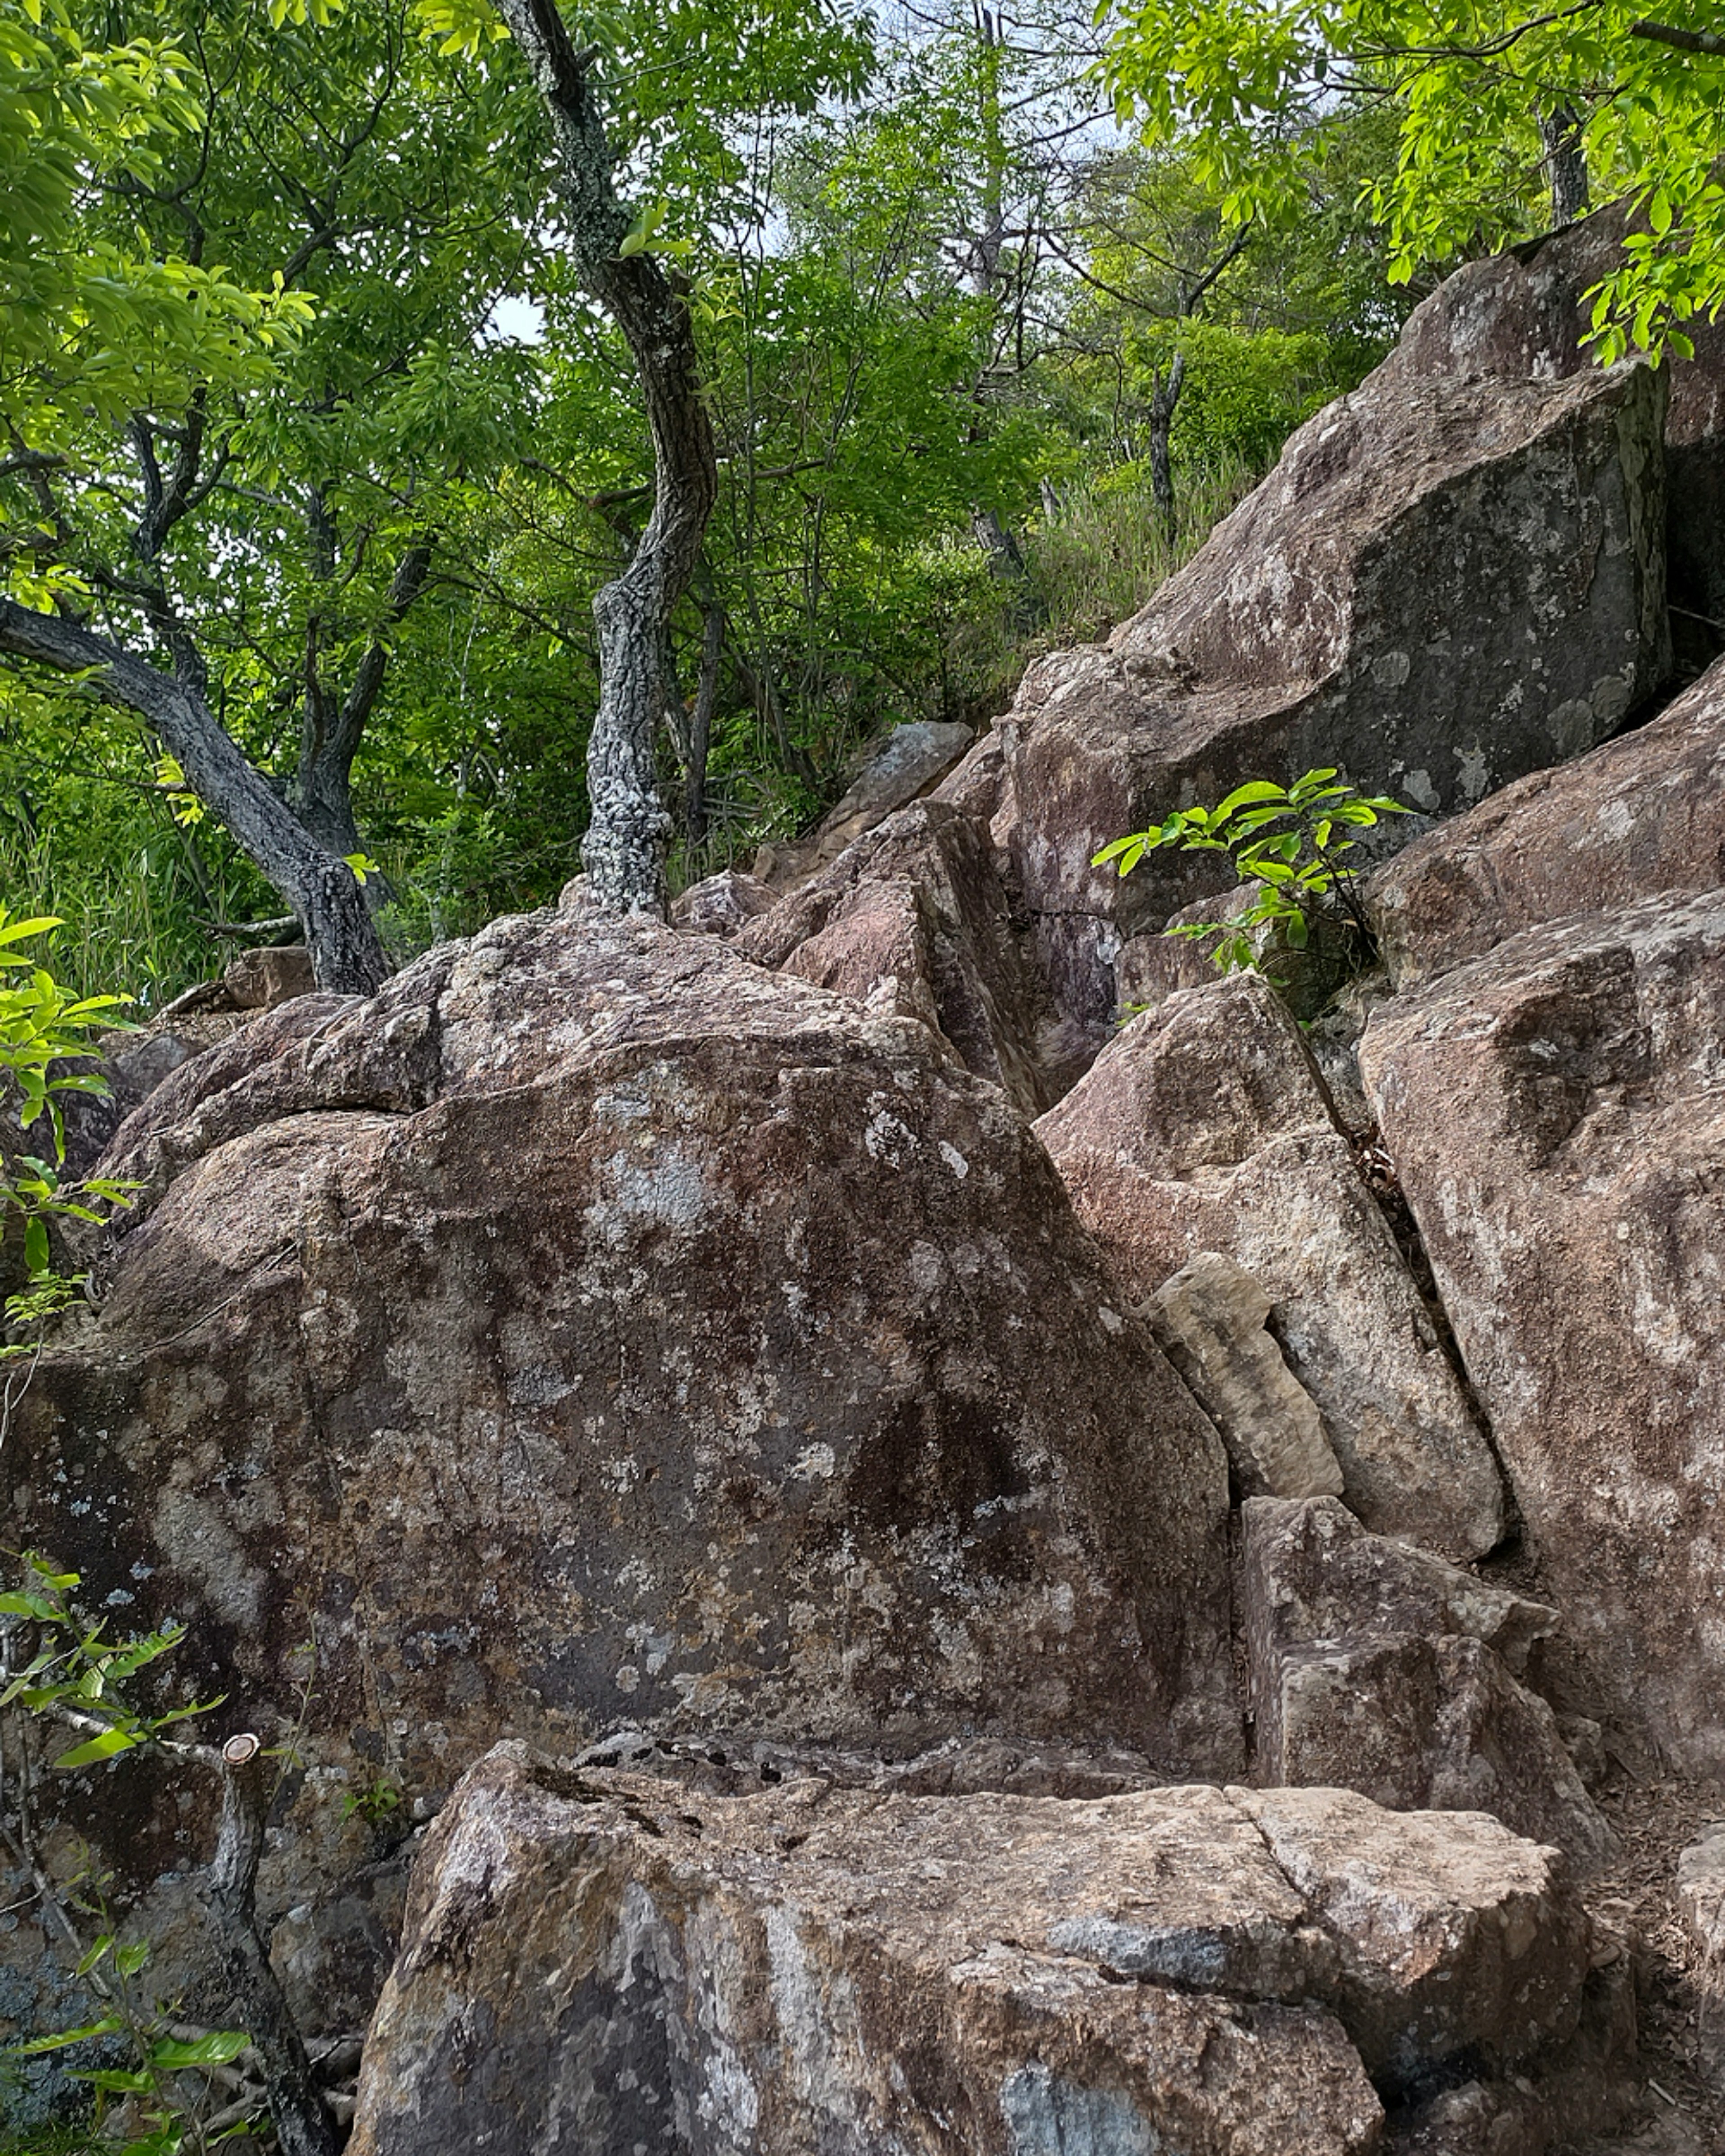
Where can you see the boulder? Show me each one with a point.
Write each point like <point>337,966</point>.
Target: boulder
<point>1701,1911</point>
<point>1211,1318</point>
<point>593,1324</point>
<point>1311,1573</point>
<point>1643,814</point>
<point>1446,582</point>
<point>719,904</point>
<point>914,757</point>
<point>1375,1666</point>
<point>1555,1114</point>
<point>269,974</point>
<point>914,919</point>
<point>601,1960</point>
<point>1525,312</point>
<point>1204,1126</point>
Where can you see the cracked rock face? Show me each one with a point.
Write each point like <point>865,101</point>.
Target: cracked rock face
<point>913,920</point>
<point>1557,1114</point>
<point>1204,1126</point>
<point>594,1326</point>
<point>1445,583</point>
<point>1643,814</point>
<point>602,1960</point>
<point>1379,1667</point>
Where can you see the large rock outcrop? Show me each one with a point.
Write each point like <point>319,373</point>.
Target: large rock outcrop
<point>605,1961</point>
<point>1643,814</point>
<point>1557,1115</point>
<point>1525,312</point>
<point>1204,1126</point>
<point>1445,583</point>
<point>594,1326</point>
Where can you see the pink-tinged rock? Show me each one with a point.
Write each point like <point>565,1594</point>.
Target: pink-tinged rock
<point>1444,584</point>
<point>1643,814</point>
<point>1376,1667</point>
<point>1557,1117</point>
<point>914,920</point>
<point>593,1326</point>
<point>1204,1126</point>
<point>1526,313</point>
<point>911,760</point>
<point>719,904</point>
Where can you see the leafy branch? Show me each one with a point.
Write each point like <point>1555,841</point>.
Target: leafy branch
<point>1288,840</point>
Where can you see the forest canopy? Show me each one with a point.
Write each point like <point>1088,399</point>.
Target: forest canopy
<point>327,342</point>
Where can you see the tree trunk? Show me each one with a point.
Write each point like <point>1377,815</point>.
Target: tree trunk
<point>1164,396</point>
<point>701,722</point>
<point>1565,163</point>
<point>321,888</point>
<point>623,851</point>
<point>329,741</point>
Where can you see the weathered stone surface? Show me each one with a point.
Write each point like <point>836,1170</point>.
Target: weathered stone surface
<point>914,920</point>
<point>915,756</point>
<point>1643,814</point>
<point>1701,1902</point>
<point>1370,1668</point>
<point>1204,1126</point>
<point>1210,1318</point>
<point>1701,1911</point>
<point>271,973</point>
<point>592,1323</point>
<point>134,1065</point>
<point>1525,312</point>
<point>602,1959</point>
<point>719,904</point>
<point>1312,1572</point>
<point>1556,1114</point>
<point>1456,1938</point>
<point>1445,583</point>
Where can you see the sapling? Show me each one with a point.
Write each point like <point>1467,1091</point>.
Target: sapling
<point>1288,841</point>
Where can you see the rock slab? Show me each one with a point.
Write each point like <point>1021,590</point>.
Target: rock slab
<point>604,1961</point>
<point>1204,1126</point>
<point>1644,814</point>
<point>1557,1115</point>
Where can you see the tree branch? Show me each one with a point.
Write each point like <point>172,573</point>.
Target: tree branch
<point>1685,41</point>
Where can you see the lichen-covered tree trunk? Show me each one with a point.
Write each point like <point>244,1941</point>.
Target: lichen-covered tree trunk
<point>1565,163</point>
<point>623,851</point>
<point>321,888</point>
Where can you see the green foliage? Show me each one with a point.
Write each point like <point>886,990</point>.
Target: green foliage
<point>73,1672</point>
<point>64,1671</point>
<point>1288,840</point>
<point>42,1025</point>
<point>1259,87</point>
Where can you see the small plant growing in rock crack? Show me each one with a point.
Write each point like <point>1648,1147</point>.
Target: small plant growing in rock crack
<point>60,1670</point>
<point>1289,841</point>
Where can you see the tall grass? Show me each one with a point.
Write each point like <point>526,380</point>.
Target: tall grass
<point>1102,555</point>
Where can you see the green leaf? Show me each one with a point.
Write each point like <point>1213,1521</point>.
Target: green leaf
<point>39,2046</point>
<point>105,1747</point>
<point>38,1259</point>
<point>129,1960</point>
<point>1255,789</point>
<point>98,1952</point>
<point>220,2048</point>
<point>115,2080</point>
